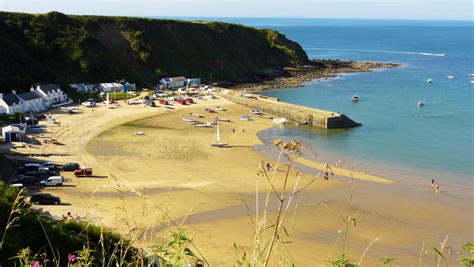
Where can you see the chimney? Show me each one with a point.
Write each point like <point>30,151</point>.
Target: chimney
<point>32,89</point>
<point>14,92</point>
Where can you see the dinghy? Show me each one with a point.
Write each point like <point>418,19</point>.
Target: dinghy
<point>280,120</point>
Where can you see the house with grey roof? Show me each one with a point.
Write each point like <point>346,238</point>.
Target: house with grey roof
<point>51,93</point>
<point>11,103</point>
<point>32,101</point>
<point>173,82</point>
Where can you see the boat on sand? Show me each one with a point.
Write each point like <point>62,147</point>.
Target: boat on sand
<point>280,120</point>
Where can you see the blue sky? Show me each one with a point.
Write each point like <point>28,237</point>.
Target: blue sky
<point>363,9</point>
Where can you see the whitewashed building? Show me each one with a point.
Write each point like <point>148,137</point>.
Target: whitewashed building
<point>174,82</point>
<point>51,94</point>
<point>32,101</point>
<point>11,103</point>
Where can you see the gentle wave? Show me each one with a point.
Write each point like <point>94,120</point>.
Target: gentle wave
<point>377,51</point>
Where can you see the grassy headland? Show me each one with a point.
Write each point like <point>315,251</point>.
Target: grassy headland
<point>67,49</point>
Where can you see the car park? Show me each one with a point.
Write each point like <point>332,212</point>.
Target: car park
<point>45,198</point>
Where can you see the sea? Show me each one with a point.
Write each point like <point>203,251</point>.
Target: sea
<point>397,137</point>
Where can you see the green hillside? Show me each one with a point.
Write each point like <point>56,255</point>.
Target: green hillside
<point>66,49</point>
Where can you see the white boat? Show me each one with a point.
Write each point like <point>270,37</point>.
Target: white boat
<point>472,81</point>
<point>471,75</point>
<point>218,142</point>
<point>429,80</point>
<point>450,77</point>
<point>301,123</point>
<point>139,133</point>
<point>197,115</point>
<point>201,125</point>
<point>189,119</point>
<point>211,123</point>
<point>355,98</point>
<point>421,103</point>
<point>245,118</point>
<point>221,109</point>
<point>223,120</point>
<point>89,103</point>
<point>280,120</point>
<point>256,111</point>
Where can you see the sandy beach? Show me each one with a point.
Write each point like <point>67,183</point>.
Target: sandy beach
<point>171,176</point>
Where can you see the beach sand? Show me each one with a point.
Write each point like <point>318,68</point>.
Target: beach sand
<point>171,176</point>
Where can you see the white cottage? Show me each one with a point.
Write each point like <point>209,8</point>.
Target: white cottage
<point>11,103</point>
<point>32,101</point>
<point>51,94</point>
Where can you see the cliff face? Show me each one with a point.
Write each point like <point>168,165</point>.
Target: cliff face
<point>66,49</point>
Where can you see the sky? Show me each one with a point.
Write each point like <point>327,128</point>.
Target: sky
<point>360,9</point>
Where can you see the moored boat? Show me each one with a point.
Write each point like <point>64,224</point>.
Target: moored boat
<point>256,111</point>
<point>355,98</point>
<point>245,118</point>
<point>280,120</point>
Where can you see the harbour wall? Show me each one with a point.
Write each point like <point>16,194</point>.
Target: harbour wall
<point>314,117</point>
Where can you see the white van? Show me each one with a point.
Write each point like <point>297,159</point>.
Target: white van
<point>53,181</point>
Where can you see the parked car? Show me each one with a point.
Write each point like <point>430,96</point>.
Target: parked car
<point>83,172</point>
<point>53,181</point>
<point>49,165</point>
<point>25,180</point>
<point>45,198</point>
<point>70,167</point>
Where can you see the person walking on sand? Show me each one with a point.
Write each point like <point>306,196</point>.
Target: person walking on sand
<point>432,182</point>
<point>243,130</point>
<point>268,166</point>
<point>437,187</point>
<point>233,130</point>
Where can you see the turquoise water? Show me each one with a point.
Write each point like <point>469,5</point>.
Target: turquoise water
<point>395,132</point>
<point>438,136</point>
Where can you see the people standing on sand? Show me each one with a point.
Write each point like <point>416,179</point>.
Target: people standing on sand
<point>268,166</point>
<point>437,187</point>
<point>243,130</point>
<point>233,130</point>
<point>432,182</point>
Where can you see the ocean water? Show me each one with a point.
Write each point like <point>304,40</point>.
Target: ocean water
<point>437,137</point>
<point>396,134</point>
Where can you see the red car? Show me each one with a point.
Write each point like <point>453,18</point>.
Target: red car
<point>83,172</point>
<point>164,102</point>
<point>181,101</point>
<point>189,101</point>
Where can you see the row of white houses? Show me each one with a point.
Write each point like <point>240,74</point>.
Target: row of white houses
<point>103,87</point>
<point>40,97</point>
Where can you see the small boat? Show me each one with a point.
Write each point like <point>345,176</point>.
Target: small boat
<point>256,111</point>
<point>211,123</point>
<point>421,103</point>
<point>223,120</point>
<point>189,119</point>
<point>210,110</point>
<point>429,81</point>
<point>355,98</point>
<point>245,118</point>
<point>450,77</point>
<point>472,81</point>
<point>280,120</point>
<point>301,123</point>
<point>218,142</point>
<point>201,125</point>
<point>197,115</point>
<point>221,109</point>
<point>471,75</point>
<point>139,133</point>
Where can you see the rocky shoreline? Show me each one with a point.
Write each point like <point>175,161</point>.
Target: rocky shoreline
<point>296,77</point>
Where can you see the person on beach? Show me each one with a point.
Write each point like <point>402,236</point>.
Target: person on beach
<point>432,182</point>
<point>243,130</point>
<point>268,166</point>
<point>233,130</point>
<point>437,187</point>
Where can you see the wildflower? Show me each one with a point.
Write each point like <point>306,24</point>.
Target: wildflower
<point>71,257</point>
<point>35,264</point>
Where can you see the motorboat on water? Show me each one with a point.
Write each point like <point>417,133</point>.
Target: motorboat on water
<point>280,120</point>
<point>471,75</point>
<point>430,81</point>
<point>421,103</point>
<point>245,118</point>
<point>256,111</point>
<point>355,98</point>
<point>450,77</point>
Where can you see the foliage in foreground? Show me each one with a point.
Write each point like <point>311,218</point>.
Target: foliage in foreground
<point>29,236</point>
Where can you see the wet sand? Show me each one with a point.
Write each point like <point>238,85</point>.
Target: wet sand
<point>172,176</point>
